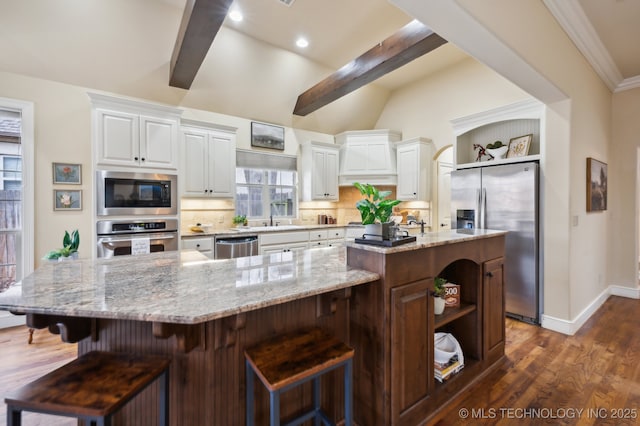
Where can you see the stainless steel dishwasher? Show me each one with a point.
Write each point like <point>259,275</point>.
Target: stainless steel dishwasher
<point>232,247</point>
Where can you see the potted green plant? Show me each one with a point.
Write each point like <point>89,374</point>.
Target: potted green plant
<point>438,295</point>
<point>69,250</point>
<point>375,210</point>
<point>240,220</point>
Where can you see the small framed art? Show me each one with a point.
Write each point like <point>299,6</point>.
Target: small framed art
<point>67,173</point>
<point>519,147</point>
<point>67,200</point>
<point>596,185</point>
<point>267,136</point>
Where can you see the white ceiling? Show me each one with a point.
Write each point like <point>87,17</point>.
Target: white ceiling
<point>338,31</point>
<point>606,31</point>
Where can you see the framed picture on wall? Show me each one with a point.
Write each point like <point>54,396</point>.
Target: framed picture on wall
<point>596,185</point>
<point>67,200</point>
<point>67,173</point>
<point>267,136</point>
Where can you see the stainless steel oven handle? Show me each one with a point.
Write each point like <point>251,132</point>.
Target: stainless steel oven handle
<point>104,240</point>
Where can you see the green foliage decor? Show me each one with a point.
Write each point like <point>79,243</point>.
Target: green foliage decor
<point>439,283</point>
<point>70,244</point>
<point>374,207</point>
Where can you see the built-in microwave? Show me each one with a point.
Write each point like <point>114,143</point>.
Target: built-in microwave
<point>130,193</point>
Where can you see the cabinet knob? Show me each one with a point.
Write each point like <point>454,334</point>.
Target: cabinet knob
<point>142,159</point>
<point>489,274</point>
<point>135,158</point>
<point>415,193</point>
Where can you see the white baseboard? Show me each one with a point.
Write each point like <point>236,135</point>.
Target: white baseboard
<point>12,320</point>
<point>571,327</point>
<point>631,293</point>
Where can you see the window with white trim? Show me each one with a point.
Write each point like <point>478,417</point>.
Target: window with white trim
<point>262,193</point>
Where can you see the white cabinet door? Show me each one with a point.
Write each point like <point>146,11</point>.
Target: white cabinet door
<point>158,142</point>
<point>132,140</point>
<point>331,170</point>
<point>196,161</point>
<point>222,166</point>
<point>318,171</point>
<point>210,161</point>
<point>414,158</point>
<point>118,138</point>
<point>408,177</point>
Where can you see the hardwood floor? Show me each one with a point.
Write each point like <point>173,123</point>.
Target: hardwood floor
<point>21,363</point>
<point>569,380</point>
<point>550,378</point>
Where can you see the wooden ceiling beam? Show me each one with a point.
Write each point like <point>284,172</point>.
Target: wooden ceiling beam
<point>201,21</point>
<point>410,42</point>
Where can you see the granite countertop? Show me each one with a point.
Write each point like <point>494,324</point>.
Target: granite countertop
<point>254,230</point>
<point>432,239</point>
<point>183,287</point>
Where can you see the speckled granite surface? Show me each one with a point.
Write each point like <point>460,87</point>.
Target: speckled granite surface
<point>433,239</point>
<point>254,230</point>
<point>179,287</point>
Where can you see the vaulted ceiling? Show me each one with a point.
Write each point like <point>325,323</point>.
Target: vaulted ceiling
<point>125,47</point>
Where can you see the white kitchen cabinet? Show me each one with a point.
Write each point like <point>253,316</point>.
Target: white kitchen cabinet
<point>134,134</point>
<point>209,161</point>
<point>414,169</point>
<point>368,157</point>
<point>318,171</point>
<point>283,248</point>
<point>203,245</point>
<point>277,242</point>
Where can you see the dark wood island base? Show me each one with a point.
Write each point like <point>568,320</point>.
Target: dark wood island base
<point>393,325</point>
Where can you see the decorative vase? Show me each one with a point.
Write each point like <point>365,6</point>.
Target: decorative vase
<point>373,231</point>
<point>438,305</point>
<point>498,153</point>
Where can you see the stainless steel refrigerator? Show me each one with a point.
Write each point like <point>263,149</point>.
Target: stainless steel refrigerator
<point>505,197</point>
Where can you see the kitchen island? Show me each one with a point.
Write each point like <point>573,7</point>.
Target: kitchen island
<point>203,313</point>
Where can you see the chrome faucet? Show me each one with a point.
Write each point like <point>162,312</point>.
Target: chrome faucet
<point>421,223</point>
<point>270,220</point>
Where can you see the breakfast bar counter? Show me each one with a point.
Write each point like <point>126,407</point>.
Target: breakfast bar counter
<point>203,313</point>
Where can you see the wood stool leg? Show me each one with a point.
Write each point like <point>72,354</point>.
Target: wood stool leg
<point>14,416</point>
<point>316,400</point>
<point>249,394</point>
<point>348,393</point>
<point>274,397</point>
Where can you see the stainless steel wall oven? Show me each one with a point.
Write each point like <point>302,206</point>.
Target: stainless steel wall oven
<point>123,237</point>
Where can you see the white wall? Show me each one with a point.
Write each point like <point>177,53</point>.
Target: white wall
<point>623,190</point>
<point>426,107</point>
<point>524,43</point>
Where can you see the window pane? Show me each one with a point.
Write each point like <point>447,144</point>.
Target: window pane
<point>249,176</point>
<point>242,200</point>
<point>281,201</point>
<point>287,178</point>
<point>255,204</point>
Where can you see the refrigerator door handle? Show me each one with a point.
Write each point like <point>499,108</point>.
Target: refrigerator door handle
<point>483,209</point>
<point>476,216</point>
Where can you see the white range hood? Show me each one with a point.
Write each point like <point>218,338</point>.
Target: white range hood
<point>368,156</point>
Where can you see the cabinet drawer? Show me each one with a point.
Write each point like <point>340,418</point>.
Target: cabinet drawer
<point>284,237</point>
<point>200,244</point>
<point>318,235</point>
<point>335,233</point>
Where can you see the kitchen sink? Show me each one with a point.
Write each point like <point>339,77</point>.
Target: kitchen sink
<point>267,228</point>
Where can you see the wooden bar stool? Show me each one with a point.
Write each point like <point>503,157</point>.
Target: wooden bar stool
<point>291,359</point>
<point>92,388</point>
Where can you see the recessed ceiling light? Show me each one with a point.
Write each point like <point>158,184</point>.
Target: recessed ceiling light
<point>302,42</point>
<point>235,15</point>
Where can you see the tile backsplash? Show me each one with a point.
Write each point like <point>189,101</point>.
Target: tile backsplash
<point>219,213</point>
